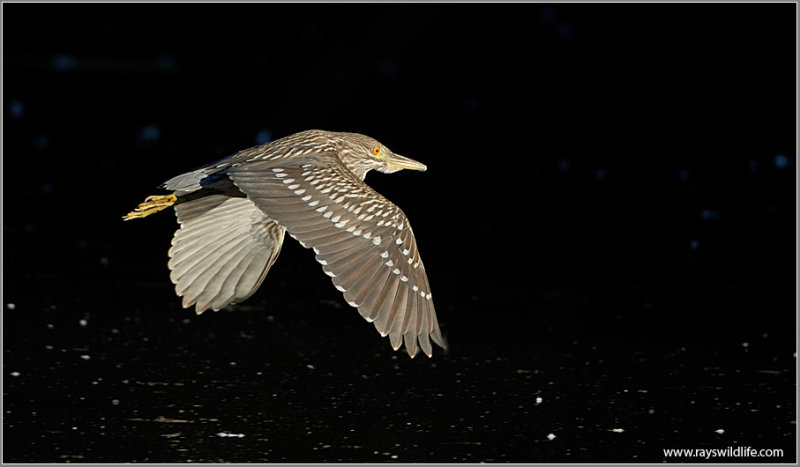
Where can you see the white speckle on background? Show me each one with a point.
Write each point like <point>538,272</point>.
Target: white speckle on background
<point>720,431</point>
<point>15,373</point>
<point>11,306</point>
<point>83,322</point>
<point>539,400</point>
<point>618,430</point>
<point>85,357</point>
<point>551,436</point>
<point>223,434</point>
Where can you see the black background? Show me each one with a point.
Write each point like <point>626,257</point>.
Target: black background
<point>608,223</point>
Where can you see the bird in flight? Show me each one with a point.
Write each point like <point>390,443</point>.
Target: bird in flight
<point>234,214</point>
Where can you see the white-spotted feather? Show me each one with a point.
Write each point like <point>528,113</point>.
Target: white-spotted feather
<point>364,254</point>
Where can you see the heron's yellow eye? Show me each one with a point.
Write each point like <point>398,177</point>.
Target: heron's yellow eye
<point>376,150</point>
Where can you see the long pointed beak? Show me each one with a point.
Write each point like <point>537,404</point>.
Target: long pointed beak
<point>396,160</point>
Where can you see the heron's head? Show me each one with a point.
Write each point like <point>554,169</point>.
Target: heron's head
<point>361,154</point>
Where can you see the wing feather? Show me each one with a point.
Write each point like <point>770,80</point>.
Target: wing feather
<point>223,250</point>
<point>202,274</point>
<point>362,240</point>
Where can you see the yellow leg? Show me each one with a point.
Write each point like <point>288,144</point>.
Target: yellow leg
<point>151,205</point>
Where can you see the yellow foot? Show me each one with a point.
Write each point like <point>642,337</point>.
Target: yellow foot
<point>151,205</point>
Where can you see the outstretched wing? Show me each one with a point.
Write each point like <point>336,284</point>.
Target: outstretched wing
<point>222,252</point>
<point>362,240</point>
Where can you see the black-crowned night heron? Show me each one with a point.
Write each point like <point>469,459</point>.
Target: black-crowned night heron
<point>233,215</point>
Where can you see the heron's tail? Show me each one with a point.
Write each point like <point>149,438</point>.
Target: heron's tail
<point>151,205</point>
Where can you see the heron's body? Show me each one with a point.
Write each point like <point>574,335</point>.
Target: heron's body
<point>234,214</point>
